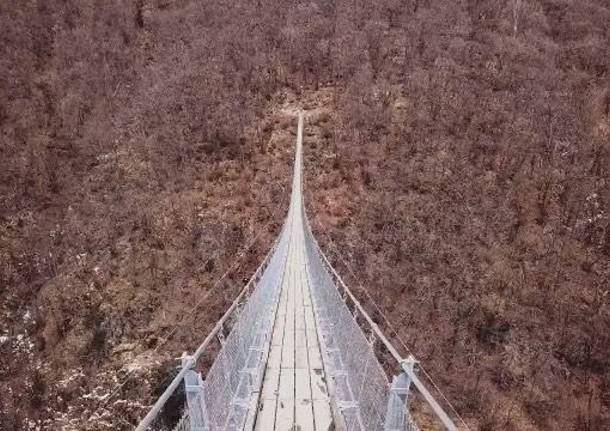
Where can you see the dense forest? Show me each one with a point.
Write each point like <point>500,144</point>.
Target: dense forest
<point>458,175</point>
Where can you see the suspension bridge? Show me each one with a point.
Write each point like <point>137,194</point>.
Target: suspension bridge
<point>298,352</point>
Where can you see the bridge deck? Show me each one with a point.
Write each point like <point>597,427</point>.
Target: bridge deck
<point>294,393</point>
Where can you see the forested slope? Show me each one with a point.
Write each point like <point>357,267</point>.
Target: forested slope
<point>460,158</point>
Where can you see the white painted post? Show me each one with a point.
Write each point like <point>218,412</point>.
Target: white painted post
<point>195,400</point>
<point>396,413</point>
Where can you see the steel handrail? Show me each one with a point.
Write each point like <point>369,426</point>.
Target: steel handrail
<point>190,361</point>
<point>402,362</point>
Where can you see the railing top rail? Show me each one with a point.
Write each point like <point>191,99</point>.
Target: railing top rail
<point>402,362</point>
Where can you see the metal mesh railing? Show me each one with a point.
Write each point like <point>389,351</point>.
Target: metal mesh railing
<point>364,397</point>
<point>360,384</point>
<point>238,368</point>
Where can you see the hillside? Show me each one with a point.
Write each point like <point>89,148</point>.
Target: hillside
<point>458,168</point>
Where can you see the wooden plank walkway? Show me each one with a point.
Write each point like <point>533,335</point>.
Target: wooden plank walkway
<point>294,395</point>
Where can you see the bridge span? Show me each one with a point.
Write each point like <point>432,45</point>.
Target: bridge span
<point>298,352</point>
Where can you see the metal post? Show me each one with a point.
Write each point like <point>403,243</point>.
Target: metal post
<point>195,397</point>
<point>436,408</point>
<point>397,410</point>
<point>220,335</point>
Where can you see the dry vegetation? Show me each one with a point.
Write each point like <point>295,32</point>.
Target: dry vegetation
<point>459,153</point>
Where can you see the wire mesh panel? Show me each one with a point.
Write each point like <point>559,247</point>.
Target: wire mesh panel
<point>360,383</point>
<point>238,369</point>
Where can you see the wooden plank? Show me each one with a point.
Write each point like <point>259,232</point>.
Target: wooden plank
<point>276,338</point>
<point>300,324</point>
<point>304,420</point>
<point>284,415</point>
<point>312,337</point>
<point>315,359</point>
<point>265,420</point>
<point>300,339</point>
<point>323,417</point>
<point>271,383</point>
<point>301,358</point>
<point>319,390</point>
<point>275,357</point>
<point>288,350</point>
<point>310,320</point>
<point>302,389</point>
<point>289,325</point>
<point>286,386</point>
